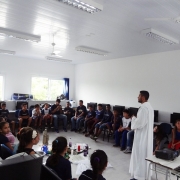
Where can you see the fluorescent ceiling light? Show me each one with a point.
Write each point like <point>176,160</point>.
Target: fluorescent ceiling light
<point>152,33</point>
<point>19,35</point>
<point>58,59</point>
<point>91,50</point>
<point>2,51</point>
<point>89,6</point>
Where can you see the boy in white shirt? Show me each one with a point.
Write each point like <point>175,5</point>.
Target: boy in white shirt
<point>36,115</point>
<point>47,115</point>
<point>122,131</point>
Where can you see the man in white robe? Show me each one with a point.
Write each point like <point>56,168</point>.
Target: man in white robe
<point>143,138</point>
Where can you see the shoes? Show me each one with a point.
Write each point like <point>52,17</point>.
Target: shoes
<point>122,149</point>
<point>65,130</point>
<point>57,130</point>
<point>87,134</point>
<point>127,151</point>
<point>92,137</point>
<point>95,138</point>
<point>72,129</point>
<point>84,132</point>
<point>115,145</point>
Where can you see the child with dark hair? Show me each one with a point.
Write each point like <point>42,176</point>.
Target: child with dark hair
<point>57,162</point>
<point>99,116</point>
<point>9,135</point>
<point>160,138</point>
<point>4,129</point>
<point>116,121</point>
<point>5,113</point>
<point>24,115</point>
<point>46,114</point>
<point>103,123</point>
<point>36,115</point>
<point>27,138</point>
<point>90,115</point>
<point>175,143</point>
<point>98,162</point>
<point>122,131</point>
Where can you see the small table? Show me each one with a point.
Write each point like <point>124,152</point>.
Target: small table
<point>163,167</point>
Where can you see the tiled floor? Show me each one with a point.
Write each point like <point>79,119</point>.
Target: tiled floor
<point>117,159</point>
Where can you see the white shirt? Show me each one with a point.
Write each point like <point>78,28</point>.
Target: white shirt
<point>46,111</point>
<point>125,122</point>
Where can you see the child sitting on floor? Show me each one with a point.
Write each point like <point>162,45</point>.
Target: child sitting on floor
<point>122,131</point>
<point>99,162</point>
<point>27,138</point>
<point>175,144</point>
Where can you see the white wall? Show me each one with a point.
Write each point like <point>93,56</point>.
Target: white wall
<point>18,73</point>
<point>119,81</point>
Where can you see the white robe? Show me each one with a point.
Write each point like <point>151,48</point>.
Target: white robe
<point>143,141</point>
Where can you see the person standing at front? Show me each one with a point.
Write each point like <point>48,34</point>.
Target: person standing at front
<point>143,138</point>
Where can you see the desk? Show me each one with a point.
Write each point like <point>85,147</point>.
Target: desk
<point>163,167</point>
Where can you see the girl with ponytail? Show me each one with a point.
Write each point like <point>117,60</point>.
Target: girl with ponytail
<point>57,162</point>
<point>27,138</point>
<point>99,162</point>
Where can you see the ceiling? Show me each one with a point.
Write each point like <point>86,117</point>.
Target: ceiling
<point>116,29</point>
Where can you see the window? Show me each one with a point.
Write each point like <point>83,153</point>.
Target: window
<point>46,89</point>
<point>1,88</point>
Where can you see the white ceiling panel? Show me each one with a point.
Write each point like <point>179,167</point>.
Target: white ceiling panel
<point>116,29</point>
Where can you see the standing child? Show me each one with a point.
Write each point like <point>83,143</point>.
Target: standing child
<point>57,161</point>
<point>99,162</point>
<point>27,138</point>
<point>122,131</point>
<point>46,115</point>
<point>4,129</point>
<point>36,115</point>
<point>175,144</point>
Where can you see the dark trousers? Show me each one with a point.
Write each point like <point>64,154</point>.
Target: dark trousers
<point>91,124</point>
<point>121,136</point>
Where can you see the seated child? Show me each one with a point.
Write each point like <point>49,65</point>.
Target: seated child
<point>90,115</point>
<point>57,162</point>
<point>46,114</point>
<point>122,131</point>
<point>9,135</point>
<point>5,113</point>
<point>36,115</point>
<point>130,138</point>
<point>103,124</point>
<point>27,138</point>
<point>4,129</point>
<point>24,115</point>
<point>175,143</point>
<point>116,121</point>
<point>160,138</point>
<point>98,162</point>
<point>99,116</point>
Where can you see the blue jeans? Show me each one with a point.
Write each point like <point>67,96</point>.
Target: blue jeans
<point>77,123</point>
<point>101,126</point>
<point>56,117</point>
<point>118,136</point>
<point>130,138</point>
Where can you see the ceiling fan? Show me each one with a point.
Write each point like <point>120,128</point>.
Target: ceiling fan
<point>176,19</point>
<point>55,53</point>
